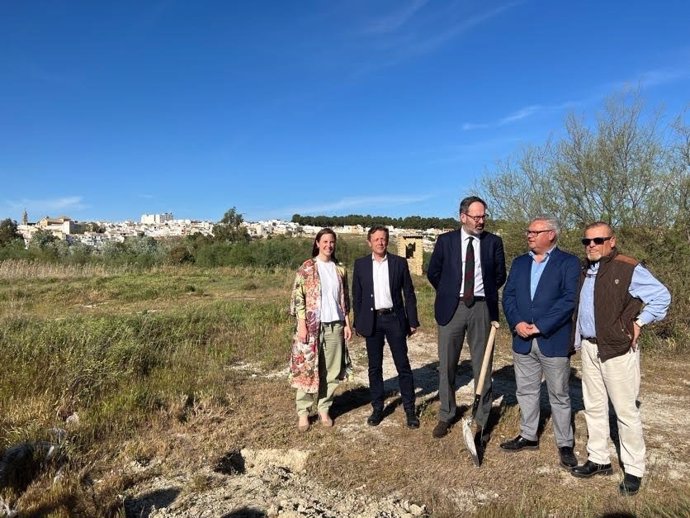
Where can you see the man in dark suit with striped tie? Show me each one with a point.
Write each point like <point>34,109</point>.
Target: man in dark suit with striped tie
<point>467,268</point>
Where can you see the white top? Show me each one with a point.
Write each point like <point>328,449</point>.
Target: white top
<point>382,286</point>
<point>330,288</point>
<point>478,280</point>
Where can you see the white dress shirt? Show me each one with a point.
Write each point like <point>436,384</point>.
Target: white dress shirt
<point>382,287</point>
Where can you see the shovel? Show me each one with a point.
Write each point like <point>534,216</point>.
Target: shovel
<point>467,421</point>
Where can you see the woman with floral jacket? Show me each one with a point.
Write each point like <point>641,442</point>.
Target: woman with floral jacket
<point>321,303</point>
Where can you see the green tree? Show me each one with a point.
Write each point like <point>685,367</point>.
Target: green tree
<point>680,176</point>
<point>619,169</point>
<point>46,247</point>
<point>42,239</point>
<point>94,227</point>
<point>628,168</point>
<point>180,254</point>
<point>230,229</point>
<point>79,253</point>
<point>144,251</point>
<point>8,232</point>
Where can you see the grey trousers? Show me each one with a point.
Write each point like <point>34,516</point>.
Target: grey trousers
<point>475,323</point>
<point>529,369</point>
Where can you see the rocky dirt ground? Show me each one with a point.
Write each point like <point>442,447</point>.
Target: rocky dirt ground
<point>255,482</point>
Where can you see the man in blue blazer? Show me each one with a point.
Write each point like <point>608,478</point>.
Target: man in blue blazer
<point>379,282</point>
<point>467,268</point>
<point>538,302</point>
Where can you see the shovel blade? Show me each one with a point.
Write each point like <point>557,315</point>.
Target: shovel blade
<point>468,436</point>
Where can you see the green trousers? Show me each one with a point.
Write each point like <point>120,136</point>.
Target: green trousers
<point>331,347</point>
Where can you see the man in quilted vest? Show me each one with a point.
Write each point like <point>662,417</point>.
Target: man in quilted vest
<point>617,297</point>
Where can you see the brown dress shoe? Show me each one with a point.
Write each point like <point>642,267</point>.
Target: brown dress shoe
<point>303,423</point>
<point>326,419</point>
<point>441,429</point>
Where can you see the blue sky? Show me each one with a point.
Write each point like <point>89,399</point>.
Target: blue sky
<point>109,110</point>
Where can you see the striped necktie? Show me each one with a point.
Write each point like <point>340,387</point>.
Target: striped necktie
<point>468,284</point>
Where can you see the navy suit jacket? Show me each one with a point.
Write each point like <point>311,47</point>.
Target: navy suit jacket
<point>553,304</point>
<point>363,294</point>
<point>445,273</point>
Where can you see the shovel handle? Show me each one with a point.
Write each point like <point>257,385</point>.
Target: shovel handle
<point>487,358</point>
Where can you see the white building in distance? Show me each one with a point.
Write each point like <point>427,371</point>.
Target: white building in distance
<point>151,219</point>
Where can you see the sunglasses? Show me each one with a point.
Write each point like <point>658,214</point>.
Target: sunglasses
<point>596,240</point>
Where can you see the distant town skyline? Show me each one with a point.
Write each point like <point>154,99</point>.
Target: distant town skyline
<point>164,217</point>
<point>111,110</point>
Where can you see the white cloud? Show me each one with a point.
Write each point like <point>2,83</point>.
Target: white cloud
<point>467,126</point>
<point>46,207</point>
<point>371,203</point>
<point>393,21</point>
<point>410,31</point>
<point>648,79</point>
<point>522,113</point>
<point>651,79</point>
<point>469,151</point>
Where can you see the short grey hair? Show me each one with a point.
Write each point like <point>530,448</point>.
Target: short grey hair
<point>551,222</point>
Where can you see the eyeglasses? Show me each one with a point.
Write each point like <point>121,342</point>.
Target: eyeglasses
<point>477,219</point>
<point>596,240</point>
<point>536,232</point>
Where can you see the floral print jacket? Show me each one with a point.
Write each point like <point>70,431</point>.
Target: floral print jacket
<point>306,301</point>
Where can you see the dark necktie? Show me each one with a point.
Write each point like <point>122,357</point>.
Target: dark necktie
<point>468,285</point>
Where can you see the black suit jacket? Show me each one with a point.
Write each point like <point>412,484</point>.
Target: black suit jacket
<point>445,273</point>
<point>363,294</point>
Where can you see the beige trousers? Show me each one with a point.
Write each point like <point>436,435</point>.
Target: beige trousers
<point>331,347</point>
<point>617,380</point>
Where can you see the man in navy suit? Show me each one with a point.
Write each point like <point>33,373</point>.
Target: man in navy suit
<point>538,302</point>
<point>466,268</point>
<point>379,282</point>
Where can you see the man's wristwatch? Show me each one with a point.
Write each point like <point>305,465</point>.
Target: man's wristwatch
<point>639,322</point>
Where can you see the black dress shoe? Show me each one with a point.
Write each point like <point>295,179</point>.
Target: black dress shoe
<point>520,443</point>
<point>412,420</point>
<point>375,418</point>
<point>568,459</point>
<point>630,485</point>
<point>441,429</point>
<point>590,468</point>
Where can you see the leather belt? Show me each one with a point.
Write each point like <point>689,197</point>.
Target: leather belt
<point>591,339</point>
<point>386,311</point>
<point>479,299</point>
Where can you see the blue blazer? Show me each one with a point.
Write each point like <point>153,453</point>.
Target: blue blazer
<point>400,283</point>
<point>445,273</point>
<point>553,304</point>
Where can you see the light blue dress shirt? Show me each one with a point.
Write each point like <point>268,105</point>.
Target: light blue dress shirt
<point>654,295</point>
<point>537,270</point>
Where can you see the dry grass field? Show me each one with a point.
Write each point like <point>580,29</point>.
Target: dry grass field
<point>164,393</point>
